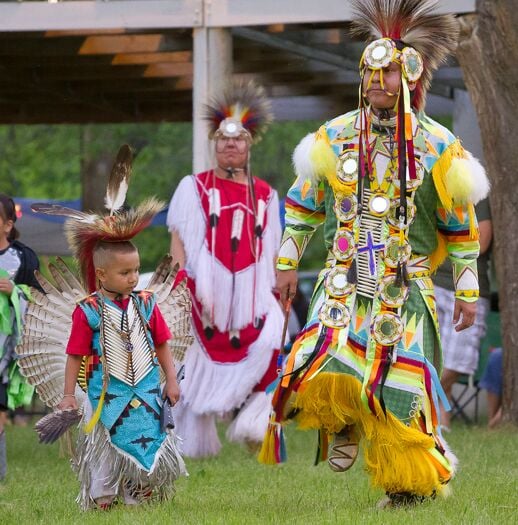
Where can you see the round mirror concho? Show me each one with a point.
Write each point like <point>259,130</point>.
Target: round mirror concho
<point>336,284</point>
<point>393,215</point>
<point>412,64</point>
<point>347,171</point>
<point>387,329</point>
<point>412,184</point>
<point>379,205</point>
<point>393,296</point>
<point>346,207</point>
<point>343,245</point>
<point>334,314</point>
<point>380,53</point>
<point>394,253</point>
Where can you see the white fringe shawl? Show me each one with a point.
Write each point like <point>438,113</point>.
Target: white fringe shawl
<point>211,387</point>
<point>251,422</point>
<point>186,217</point>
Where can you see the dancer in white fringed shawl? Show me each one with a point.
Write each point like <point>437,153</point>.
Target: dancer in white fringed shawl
<point>226,232</point>
<point>118,345</point>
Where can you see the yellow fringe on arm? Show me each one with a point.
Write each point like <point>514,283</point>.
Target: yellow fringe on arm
<point>399,458</point>
<point>473,224</point>
<point>439,254</point>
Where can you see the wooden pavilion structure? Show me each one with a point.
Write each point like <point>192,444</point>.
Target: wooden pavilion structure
<point>159,60</point>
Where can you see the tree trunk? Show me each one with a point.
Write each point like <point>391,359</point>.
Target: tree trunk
<point>488,54</point>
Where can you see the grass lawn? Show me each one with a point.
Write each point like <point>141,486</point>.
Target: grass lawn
<point>235,489</point>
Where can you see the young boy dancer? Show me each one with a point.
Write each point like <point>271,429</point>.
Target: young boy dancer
<point>117,341</point>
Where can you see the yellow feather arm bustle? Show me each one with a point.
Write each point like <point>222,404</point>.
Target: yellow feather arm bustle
<point>323,160</point>
<point>439,254</point>
<point>447,175</point>
<point>399,458</point>
<point>473,224</point>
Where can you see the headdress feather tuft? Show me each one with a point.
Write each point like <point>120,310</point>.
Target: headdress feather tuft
<point>415,23</point>
<point>245,102</point>
<point>84,229</point>
<point>118,182</point>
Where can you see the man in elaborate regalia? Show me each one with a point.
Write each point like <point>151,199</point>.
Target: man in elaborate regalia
<point>395,192</point>
<point>225,231</point>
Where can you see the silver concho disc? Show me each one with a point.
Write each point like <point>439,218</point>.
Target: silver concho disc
<point>343,245</point>
<point>387,328</point>
<point>336,284</point>
<point>392,295</point>
<point>379,205</point>
<point>395,253</point>
<point>346,207</point>
<point>334,314</point>
<point>380,53</point>
<point>348,167</point>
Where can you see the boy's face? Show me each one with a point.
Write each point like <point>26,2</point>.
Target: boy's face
<point>121,274</point>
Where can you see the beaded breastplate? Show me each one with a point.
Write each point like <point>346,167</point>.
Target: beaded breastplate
<point>127,352</point>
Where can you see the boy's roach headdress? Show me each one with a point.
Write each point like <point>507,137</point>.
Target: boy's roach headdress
<point>408,32</point>
<point>242,109</point>
<point>84,230</point>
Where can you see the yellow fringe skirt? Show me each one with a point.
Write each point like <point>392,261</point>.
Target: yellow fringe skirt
<point>399,458</point>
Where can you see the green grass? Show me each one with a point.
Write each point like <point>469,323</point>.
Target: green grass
<point>235,489</point>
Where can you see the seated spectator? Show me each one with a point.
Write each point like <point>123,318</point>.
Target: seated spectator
<point>492,382</point>
<point>461,349</point>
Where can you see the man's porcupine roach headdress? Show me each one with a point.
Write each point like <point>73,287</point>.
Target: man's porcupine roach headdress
<point>408,32</point>
<point>243,108</point>
<point>84,230</point>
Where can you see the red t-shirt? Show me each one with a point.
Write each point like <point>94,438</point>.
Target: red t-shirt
<point>80,341</point>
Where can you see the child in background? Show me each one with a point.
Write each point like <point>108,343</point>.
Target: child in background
<point>17,265</point>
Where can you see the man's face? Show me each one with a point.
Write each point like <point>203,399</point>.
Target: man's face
<point>386,97</point>
<point>232,152</point>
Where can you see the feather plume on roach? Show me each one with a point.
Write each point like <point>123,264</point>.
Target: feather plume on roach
<point>413,22</point>
<point>84,229</point>
<point>118,182</point>
<point>244,102</point>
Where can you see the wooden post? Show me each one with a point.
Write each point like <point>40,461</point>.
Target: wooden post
<point>212,57</point>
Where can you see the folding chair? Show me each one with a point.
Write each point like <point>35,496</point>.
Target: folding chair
<point>470,389</point>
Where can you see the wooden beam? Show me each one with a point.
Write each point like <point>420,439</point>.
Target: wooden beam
<point>33,45</point>
<point>111,45</point>
<point>311,107</point>
<point>236,13</point>
<point>92,15</point>
<point>296,48</point>
<point>151,58</point>
<point>164,70</point>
